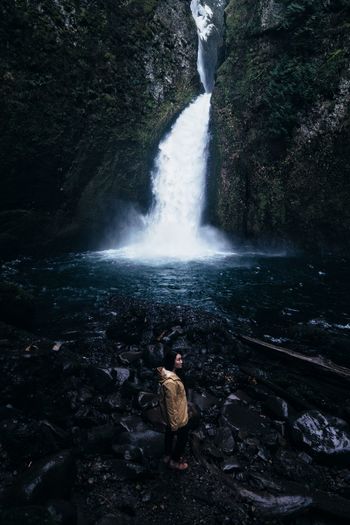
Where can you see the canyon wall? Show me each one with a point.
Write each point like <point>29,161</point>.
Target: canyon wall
<point>282,122</point>
<point>88,88</point>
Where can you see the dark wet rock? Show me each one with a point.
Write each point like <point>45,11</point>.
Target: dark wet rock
<point>132,388</point>
<point>128,452</point>
<point>272,439</point>
<point>240,395</point>
<point>263,454</point>
<point>203,401</point>
<point>224,440</point>
<point>193,415</point>
<point>130,322</point>
<point>305,457</point>
<point>50,477</point>
<point>8,412</point>
<point>181,344</point>
<point>174,334</point>
<point>154,355</point>
<point>269,505</point>
<point>62,512</point>
<point>231,464</point>
<point>323,435</point>
<point>101,378</point>
<point>109,520</point>
<point>25,438</point>
<point>101,438</point>
<point>147,400</point>
<point>88,416</point>
<point>114,519</point>
<point>212,451</point>
<point>56,431</point>
<point>277,407</point>
<point>130,470</point>
<point>115,430</point>
<point>79,397</point>
<point>128,358</point>
<point>288,463</point>
<point>150,442</point>
<point>132,423</point>
<point>107,378</point>
<point>154,416</point>
<point>280,426</point>
<point>120,375</point>
<point>114,402</point>
<point>17,306</point>
<point>242,419</point>
<point>28,515</point>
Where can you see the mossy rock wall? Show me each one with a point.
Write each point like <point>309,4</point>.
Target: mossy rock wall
<point>281,120</point>
<point>88,89</point>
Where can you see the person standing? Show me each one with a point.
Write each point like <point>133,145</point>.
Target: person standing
<point>173,404</point>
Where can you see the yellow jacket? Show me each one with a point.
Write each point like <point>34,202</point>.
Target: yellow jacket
<point>173,400</point>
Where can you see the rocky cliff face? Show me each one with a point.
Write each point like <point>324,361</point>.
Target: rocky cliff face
<point>87,90</point>
<point>282,121</point>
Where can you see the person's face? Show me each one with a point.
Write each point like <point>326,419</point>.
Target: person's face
<point>178,361</point>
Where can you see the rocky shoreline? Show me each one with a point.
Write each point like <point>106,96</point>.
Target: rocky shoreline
<point>81,434</point>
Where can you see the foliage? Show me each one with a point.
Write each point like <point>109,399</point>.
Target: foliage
<point>69,69</point>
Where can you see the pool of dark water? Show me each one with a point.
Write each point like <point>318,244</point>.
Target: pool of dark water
<point>285,299</point>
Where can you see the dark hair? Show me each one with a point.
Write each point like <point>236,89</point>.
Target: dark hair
<point>169,359</point>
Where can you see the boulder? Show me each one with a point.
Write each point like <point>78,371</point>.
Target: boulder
<point>130,357</point>
<point>147,400</point>
<point>203,400</point>
<point>62,512</point>
<point>24,438</point>
<point>129,470</point>
<point>154,416</point>
<point>132,424</point>
<point>154,355</point>
<point>148,441</point>
<point>130,322</point>
<point>128,452</point>
<point>325,436</point>
<point>28,515</point>
<point>50,477</point>
<point>241,418</point>
<point>231,464</point>
<point>104,379</point>
<point>270,505</point>
<point>100,378</point>
<point>277,407</point>
<point>114,402</point>
<point>100,438</point>
<point>224,440</point>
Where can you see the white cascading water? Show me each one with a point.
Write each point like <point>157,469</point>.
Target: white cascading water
<point>173,227</point>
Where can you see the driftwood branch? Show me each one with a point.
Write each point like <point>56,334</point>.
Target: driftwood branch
<point>324,365</point>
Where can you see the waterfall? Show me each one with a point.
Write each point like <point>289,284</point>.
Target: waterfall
<point>202,16</point>
<point>173,226</point>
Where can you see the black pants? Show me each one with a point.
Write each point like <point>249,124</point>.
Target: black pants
<point>177,451</point>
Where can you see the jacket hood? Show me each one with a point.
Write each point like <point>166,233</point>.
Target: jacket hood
<point>164,375</point>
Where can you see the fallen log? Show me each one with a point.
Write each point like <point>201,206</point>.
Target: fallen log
<point>320,363</point>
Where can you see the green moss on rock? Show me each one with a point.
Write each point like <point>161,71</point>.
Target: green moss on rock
<point>281,111</point>
<point>87,90</point>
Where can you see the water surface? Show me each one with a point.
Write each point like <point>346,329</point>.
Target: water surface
<point>288,299</point>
